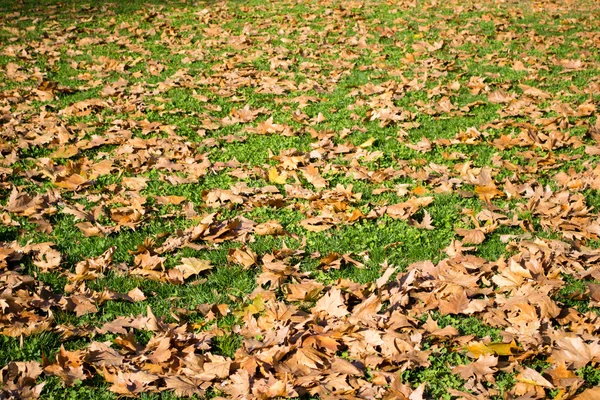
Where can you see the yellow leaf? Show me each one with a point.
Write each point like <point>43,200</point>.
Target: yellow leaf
<point>500,349</point>
<point>257,306</point>
<point>64,152</point>
<point>560,395</point>
<point>275,177</point>
<point>368,143</point>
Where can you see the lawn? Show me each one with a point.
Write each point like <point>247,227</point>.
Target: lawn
<point>299,199</point>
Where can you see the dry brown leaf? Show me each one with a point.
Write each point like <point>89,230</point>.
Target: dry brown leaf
<point>589,394</point>
<point>193,266</point>
<point>471,236</point>
<point>272,227</point>
<point>332,303</point>
<point>245,257</point>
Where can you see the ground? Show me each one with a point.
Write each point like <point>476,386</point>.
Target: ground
<point>300,199</point>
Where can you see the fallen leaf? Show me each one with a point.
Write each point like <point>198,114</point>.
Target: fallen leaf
<point>477,349</point>
<point>192,266</point>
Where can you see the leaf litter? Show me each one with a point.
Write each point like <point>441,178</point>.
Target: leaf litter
<point>96,160</point>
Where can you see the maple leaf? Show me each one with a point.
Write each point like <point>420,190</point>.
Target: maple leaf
<point>417,394</point>
<point>68,367</point>
<point>425,223</point>
<point>424,145</point>
<point>367,311</point>
<point>574,351</point>
<point>79,304</point>
<point>588,394</point>
<point>482,368</point>
<point>101,354</point>
<point>175,200</point>
<point>217,366</point>
<point>47,259</point>
<point>257,306</point>
<point>313,177</point>
<point>238,385</point>
<point>8,255</point>
<point>129,383</point>
<point>275,272</point>
<point>570,64</point>
<point>64,152</point>
<point>563,377</point>
<point>317,224</point>
<point>272,227</point>
<point>245,257</point>
<point>91,268</point>
<point>304,291</point>
<point>477,349</point>
<point>268,126</point>
<point>136,295</point>
<point>455,303</point>
<point>471,236</point>
<point>487,193</point>
<point>184,386</point>
<point>192,266</point>
<point>500,96</point>
<point>341,366</point>
<point>134,183</point>
<point>161,352</point>
<point>388,272</point>
<point>332,303</point>
<point>19,380</point>
<point>89,230</point>
<point>535,92</point>
<point>408,208</point>
<point>276,177</point>
<point>532,377</point>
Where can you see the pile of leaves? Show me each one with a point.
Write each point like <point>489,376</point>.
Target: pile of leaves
<point>301,199</point>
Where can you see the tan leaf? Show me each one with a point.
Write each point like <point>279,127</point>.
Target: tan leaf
<point>500,97</point>
<point>192,266</point>
<point>332,304</point>
<point>589,394</point>
<point>316,224</point>
<point>313,177</point>
<point>272,227</point>
<point>184,386</point>
<point>480,368</point>
<point>471,236</point>
<point>245,257</point>
<point>64,152</point>
<point>532,377</point>
<point>136,295</point>
<point>134,183</point>
<point>341,366</point>
<point>219,366</point>
<point>304,291</point>
<point>89,230</point>
<point>175,200</point>
<point>575,351</point>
